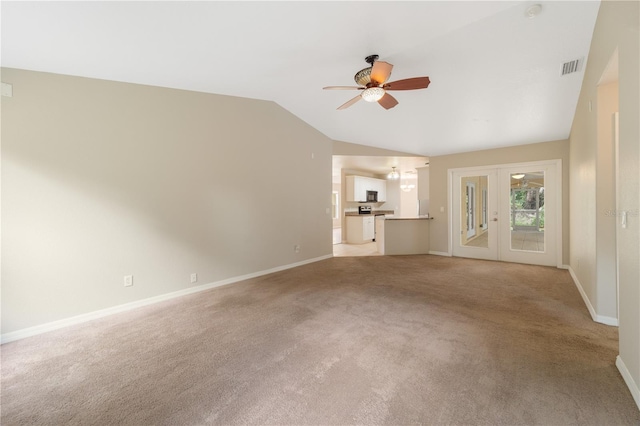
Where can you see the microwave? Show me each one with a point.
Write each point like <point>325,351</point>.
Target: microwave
<point>372,196</point>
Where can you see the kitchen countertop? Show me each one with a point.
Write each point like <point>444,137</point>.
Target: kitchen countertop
<point>392,217</point>
<point>373,213</point>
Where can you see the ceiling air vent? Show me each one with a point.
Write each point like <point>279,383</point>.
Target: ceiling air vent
<point>571,66</point>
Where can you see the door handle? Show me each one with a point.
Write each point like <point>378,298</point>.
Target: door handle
<point>495,219</point>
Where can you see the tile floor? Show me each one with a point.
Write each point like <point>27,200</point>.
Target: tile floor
<point>343,249</point>
<point>527,240</point>
<point>337,235</point>
<point>481,241</point>
<point>520,240</point>
<point>352,250</point>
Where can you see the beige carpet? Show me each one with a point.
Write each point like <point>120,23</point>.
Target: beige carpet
<point>365,340</point>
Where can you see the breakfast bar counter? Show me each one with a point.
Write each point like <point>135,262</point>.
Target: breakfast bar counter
<point>402,235</point>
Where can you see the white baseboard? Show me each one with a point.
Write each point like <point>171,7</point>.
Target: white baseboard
<point>55,325</point>
<point>631,384</point>
<point>607,320</point>
<point>439,253</point>
<point>597,318</point>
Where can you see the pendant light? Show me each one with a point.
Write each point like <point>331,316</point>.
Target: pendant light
<point>407,187</point>
<point>394,175</point>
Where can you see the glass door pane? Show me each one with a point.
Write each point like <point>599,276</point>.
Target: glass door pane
<point>527,211</point>
<point>473,211</point>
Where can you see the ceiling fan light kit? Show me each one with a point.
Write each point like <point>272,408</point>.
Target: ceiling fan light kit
<point>372,82</point>
<point>363,77</point>
<point>373,94</point>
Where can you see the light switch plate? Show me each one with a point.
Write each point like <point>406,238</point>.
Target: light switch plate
<point>7,90</point>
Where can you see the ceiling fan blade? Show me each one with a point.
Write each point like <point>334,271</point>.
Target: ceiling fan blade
<point>380,72</point>
<point>343,88</point>
<point>349,103</point>
<point>408,84</point>
<point>388,101</point>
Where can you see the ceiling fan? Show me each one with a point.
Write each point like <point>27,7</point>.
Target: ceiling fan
<point>522,180</point>
<point>372,82</point>
<point>524,183</point>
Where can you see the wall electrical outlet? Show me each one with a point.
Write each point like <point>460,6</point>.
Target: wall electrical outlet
<point>194,278</point>
<point>128,280</point>
<point>296,248</point>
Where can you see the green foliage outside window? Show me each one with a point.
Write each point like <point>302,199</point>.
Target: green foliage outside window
<point>523,205</point>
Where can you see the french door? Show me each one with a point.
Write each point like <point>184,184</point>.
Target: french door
<point>507,213</point>
<point>475,219</point>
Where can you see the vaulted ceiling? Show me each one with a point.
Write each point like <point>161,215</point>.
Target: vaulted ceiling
<point>495,72</point>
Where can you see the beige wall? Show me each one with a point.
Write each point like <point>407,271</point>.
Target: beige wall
<point>438,192</point>
<point>103,179</point>
<point>617,28</point>
<point>347,148</point>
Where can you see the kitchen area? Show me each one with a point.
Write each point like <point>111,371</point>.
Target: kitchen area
<point>381,206</point>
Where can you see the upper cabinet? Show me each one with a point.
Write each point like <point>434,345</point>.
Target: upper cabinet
<point>357,187</point>
<point>382,190</point>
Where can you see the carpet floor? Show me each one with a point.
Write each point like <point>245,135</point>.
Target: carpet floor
<point>363,340</point>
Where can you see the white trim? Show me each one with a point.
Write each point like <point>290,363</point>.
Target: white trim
<point>508,165</point>
<point>628,379</point>
<point>559,210</point>
<point>613,322</point>
<point>597,318</point>
<point>616,156</point>
<point>439,253</point>
<point>450,212</point>
<point>55,325</point>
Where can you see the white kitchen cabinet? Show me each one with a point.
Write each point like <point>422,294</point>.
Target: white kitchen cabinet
<point>356,191</point>
<point>357,187</point>
<point>382,190</point>
<point>360,229</point>
<point>368,228</point>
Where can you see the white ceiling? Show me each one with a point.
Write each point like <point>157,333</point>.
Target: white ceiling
<point>495,73</point>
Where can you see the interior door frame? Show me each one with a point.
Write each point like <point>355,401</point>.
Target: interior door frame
<point>557,163</point>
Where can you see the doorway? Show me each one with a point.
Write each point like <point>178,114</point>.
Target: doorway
<point>507,212</point>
